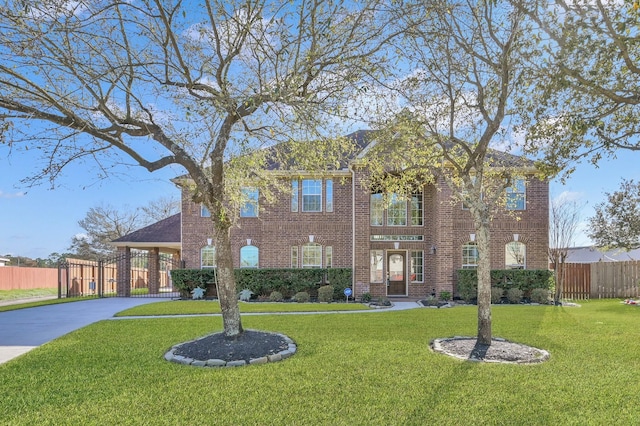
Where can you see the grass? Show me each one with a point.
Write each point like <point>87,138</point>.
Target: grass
<point>25,294</point>
<point>192,307</point>
<point>373,368</point>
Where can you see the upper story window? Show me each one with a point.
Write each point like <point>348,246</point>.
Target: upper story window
<point>328,189</point>
<point>514,255</point>
<point>516,195</point>
<point>396,210</point>
<point>312,195</point>
<point>294,195</point>
<point>416,210</point>
<point>208,257</point>
<point>250,206</point>
<point>249,256</point>
<point>470,256</point>
<point>204,212</point>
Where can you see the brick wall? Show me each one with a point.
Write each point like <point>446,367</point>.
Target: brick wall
<point>446,227</point>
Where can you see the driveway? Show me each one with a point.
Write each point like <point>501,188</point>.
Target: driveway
<point>24,329</point>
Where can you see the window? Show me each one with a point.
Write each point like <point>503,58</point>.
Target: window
<point>250,206</point>
<point>516,195</point>
<point>204,212</point>
<point>375,267</point>
<point>249,257</point>
<point>396,211</point>
<point>417,266</point>
<point>294,195</point>
<point>311,195</point>
<point>312,255</point>
<point>416,210</point>
<point>208,257</point>
<point>328,257</point>
<point>376,210</point>
<point>470,256</point>
<point>514,255</point>
<point>294,256</point>
<point>329,194</point>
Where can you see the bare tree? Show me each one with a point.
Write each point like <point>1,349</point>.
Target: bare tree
<point>197,84</point>
<point>467,64</point>
<point>564,216</point>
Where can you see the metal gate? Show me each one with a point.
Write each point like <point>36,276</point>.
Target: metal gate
<point>137,274</point>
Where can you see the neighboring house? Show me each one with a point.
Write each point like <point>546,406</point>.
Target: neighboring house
<point>3,261</point>
<point>409,248</point>
<point>594,254</point>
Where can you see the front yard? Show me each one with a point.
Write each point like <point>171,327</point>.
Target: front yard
<point>358,369</point>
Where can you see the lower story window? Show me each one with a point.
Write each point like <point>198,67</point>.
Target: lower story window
<point>312,255</point>
<point>208,257</point>
<point>417,266</point>
<point>375,266</point>
<point>470,256</point>
<point>249,257</point>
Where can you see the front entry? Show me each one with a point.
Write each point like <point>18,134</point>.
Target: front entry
<point>396,274</point>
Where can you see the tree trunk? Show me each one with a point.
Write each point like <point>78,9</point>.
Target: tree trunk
<point>226,285</point>
<point>484,285</point>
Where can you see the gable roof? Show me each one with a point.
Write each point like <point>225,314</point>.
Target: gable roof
<point>165,233</point>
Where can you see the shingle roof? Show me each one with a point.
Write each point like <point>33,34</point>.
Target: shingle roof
<point>593,255</point>
<point>164,231</point>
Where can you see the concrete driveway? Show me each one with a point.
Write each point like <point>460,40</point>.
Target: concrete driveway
<point>24,329</point>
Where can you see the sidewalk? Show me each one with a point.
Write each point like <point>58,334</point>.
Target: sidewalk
<point>22,330</point>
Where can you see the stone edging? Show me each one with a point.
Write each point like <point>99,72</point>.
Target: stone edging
<point>172,357</point>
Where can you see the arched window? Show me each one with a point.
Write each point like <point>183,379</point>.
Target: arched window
<point>312,255</point>
<point>515,255</point>
<point>249,256</point>
<point>208,257</point>
<point>470,255</point>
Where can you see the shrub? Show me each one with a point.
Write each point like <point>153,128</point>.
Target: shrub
<point>325,293</point>
<point>245,295</point>
<point>366,297</point>
<point>496,294</point>
<point>514,295</point>
<point>302,297</point>
<point>186,280</point>
<point>523,279</point>
<point>540,295</point>
<point>275,296</point>
<point>431,301</point>
<point>445,295</point>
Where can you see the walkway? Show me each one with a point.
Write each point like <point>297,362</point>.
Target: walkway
<point>22,330</point>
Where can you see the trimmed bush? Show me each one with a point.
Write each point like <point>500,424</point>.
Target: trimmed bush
<point>445,296</point>
<point>522,279</point>
<point>496,295</point>
<point>325,293</point>
<point>290,281</point>
<point>365,298</point>
<point>276,296</point>
<point>185,280</point>
<point>540,295</point>
<point>302,297</point>
<point>514,295</point>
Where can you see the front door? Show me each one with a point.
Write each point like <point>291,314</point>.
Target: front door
<point>396,274</point>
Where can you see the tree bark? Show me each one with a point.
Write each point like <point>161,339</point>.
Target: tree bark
<point>226,285</point>
<point>484,284</point>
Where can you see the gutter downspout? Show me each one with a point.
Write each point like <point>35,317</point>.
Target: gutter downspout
<point>353,231</point>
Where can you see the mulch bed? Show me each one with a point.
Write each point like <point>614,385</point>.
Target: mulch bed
<point>249,345</point>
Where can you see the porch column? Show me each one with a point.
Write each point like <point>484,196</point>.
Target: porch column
<point>123,276</point>
<point>154,270</point>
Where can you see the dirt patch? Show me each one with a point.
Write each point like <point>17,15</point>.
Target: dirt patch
<point>500,350</point>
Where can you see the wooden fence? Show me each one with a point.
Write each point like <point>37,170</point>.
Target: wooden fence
<point>602,280</point>
<point>15,278</point>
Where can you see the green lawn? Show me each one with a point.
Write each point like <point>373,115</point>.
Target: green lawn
<point>372,368</point>
<point>23,294</point>
<point>190,307</point>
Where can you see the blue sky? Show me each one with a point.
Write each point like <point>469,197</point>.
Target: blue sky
<point>36,222</point>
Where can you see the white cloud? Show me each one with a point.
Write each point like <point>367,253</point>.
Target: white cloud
<point>11,195</point>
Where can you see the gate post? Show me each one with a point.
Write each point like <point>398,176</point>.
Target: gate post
<point>123,285</point>
<point>154,270</point>
<point>100,278</point>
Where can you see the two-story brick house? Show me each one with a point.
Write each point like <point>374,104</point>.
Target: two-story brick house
<point>406,247</point>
